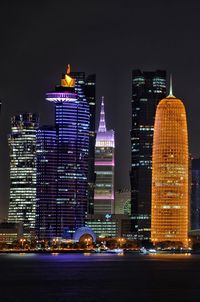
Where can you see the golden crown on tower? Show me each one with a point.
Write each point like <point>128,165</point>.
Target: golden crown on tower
<point>68,81</point>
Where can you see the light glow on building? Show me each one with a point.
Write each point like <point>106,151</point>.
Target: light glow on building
<point>104,167</point>
<point>170,206</point>
<point>85,87</point>
<point>63,152</point>
<point>22,145</point>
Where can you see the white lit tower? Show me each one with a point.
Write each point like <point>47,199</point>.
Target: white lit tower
<point>22,151</point>
<point>104,167</point>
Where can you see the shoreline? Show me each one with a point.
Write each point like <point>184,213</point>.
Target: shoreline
<point>45,251</point>
<point>83,251</point>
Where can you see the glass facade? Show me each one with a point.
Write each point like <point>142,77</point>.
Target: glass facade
<point>70,169</point>
<point>195,194</point>
<point>104,168</point>
<point>103,227</point>
<point>46,207</point>
<point>109,225</point>
<point>85,87</point>
<point>147,89</point>
<point>170,205</point>
<point>22,147</point>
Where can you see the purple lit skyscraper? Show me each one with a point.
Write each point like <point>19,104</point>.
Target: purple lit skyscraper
<point>104,167</point>
<point>68,164</point>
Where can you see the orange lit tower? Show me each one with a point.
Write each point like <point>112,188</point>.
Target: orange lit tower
<point>170,203</point>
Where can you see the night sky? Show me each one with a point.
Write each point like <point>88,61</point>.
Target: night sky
<point>109,38</point>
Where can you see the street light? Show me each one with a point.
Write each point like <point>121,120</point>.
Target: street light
<point>121,241</point>
<point>22,242</point>
<point>87,240</point>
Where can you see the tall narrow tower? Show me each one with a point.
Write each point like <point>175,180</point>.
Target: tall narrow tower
<point>22,146</point>
<point>148,88</point>
<point>170,206</point>
<point>104,167</point>
<point>85,88</point>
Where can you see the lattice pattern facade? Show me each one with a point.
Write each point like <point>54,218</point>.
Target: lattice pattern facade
<point>170,173</point>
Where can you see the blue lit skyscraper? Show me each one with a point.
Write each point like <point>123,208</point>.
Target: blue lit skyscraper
<point>46,211</point>
<point>68,164</point>
<point>85,87</point>
<point>22,145</point>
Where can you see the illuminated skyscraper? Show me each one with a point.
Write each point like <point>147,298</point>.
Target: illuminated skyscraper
<point>46,206</point>
<point>104,167</point>
<point>170,205</point>
<point>63,164</point>
<point>85,87</point>
<point>147,89</point>
<point>22,145</point>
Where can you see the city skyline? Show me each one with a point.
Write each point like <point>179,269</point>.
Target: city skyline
<point>141,241</point>
<point>23,112</point>
<point>109,45</point>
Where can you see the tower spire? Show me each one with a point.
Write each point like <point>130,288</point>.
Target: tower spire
<point>102,122</point>
<point>170,86</point>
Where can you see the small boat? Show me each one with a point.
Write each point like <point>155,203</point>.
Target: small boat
<point>115,251</point>
<point>147,251</point>
<point>109,251</point>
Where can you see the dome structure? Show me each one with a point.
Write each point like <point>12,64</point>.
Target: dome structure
<point>83,231</point>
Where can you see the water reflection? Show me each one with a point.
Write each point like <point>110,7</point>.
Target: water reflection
<point>91,277</point>
<point>169,257</point>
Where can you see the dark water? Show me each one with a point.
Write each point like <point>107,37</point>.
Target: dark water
<point>91,278</point>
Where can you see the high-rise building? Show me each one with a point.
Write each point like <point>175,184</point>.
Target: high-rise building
<point>22,146</point>
<point>195,194</point>
<point>85,87</point>
<point>170,205</point>
<point>104,167</point>
<point>46,207</point>
<point>147,89</point>
<point>63,164</point>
